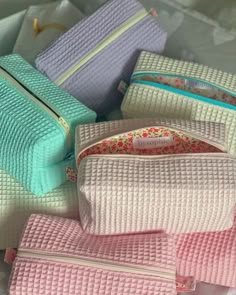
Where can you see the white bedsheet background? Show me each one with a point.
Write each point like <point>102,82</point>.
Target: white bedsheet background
<point>223,11</point>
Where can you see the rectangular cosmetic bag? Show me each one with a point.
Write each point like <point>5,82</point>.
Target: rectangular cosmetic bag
<point>209,257</point>
<point>90,59</point>
<point>56,257</point>
<point>146,175</point>
<point>17,204</point>
<point>38,122</point>
<point>162,86</point>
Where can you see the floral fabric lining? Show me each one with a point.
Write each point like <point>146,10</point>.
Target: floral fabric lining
<point>193,87</point>
<point>124,144</point>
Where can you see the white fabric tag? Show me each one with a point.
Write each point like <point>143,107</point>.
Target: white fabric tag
<point>152,143</point>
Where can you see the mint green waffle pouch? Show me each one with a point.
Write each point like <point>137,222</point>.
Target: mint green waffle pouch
<point>37,126</point>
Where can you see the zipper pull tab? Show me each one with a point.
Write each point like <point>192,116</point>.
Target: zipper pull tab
<point>153,12</point>
<point>123,87</point>
<point>39,29</point>
<point>71,174</point>
<point>185,284</point>
<point>10,256</point>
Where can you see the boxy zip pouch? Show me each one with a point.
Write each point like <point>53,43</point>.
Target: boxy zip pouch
<point>56,257</point>
<point>17,204</point>
<point>38,122</point>
<point>146,175</point>
<point>162,86</point>
<point>90,59</point>
<point>209,257</point>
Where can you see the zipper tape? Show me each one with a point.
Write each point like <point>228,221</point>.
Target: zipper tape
<point>217,145</point>
<point>109,266</point>
<point>112,37</point>
<point>39,102</point>
<point>191,79</point>
<point>186,94</point>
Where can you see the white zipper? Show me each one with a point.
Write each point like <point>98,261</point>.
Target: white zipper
<point>132,21</point>
<point>40,103</point>
<point>167,156</point>
<point>167,274</point>
<point>219,146</point>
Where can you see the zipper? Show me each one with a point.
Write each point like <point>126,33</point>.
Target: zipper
<point>185,93</point>
<point>140,74</point>
<point>153,157</point>
<point>38,101</point>
<point>167,274</point>
<point>131,22</point>
<point>219,146</point>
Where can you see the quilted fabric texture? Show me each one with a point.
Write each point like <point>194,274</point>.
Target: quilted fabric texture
<point>148,101</point>
<point>149,62</point>
<point>35,147</point>
<point>210,257</point>
<point>96,81</point>
<point>176,193</point>
<point>16,205</point>
<point>64,238</point>
<point>124,194</point>
<point>89,134</point>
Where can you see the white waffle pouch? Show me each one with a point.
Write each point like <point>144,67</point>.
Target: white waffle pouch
<point>145,175</point>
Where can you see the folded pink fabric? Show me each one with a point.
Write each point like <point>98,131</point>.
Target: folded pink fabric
<point>210,257</point>
<point>55,257</point>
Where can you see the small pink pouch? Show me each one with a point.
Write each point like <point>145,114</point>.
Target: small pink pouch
<point>56,257</point>
<point>209,257</point>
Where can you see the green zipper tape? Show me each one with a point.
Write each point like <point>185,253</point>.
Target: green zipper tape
<point>137,75</point>
<point>186,94</point>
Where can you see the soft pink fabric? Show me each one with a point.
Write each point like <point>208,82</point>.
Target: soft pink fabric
<point>208,289</point>
<point>210,257</point>
<point>64,237</point>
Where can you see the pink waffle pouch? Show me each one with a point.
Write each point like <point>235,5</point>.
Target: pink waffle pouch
<point>56,257</point>
<point>209,257</point>
<point>151,174</point>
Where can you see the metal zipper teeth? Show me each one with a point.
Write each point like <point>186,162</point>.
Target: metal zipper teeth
<point>39,102</point>
<point>219,146</point>
<point>140,74</point>
<point>109,266</point>
<point>112,37</point>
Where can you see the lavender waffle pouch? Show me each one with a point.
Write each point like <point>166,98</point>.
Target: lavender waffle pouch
<point>91,59</point>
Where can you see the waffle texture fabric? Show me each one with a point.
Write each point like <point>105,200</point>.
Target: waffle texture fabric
<point>38,122</point>
<point>177,193</point>
<point>144,100</point>
<point>17,204</point>
<point>100,51</point>
<point>72,262</point>
<point>209,257</point>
